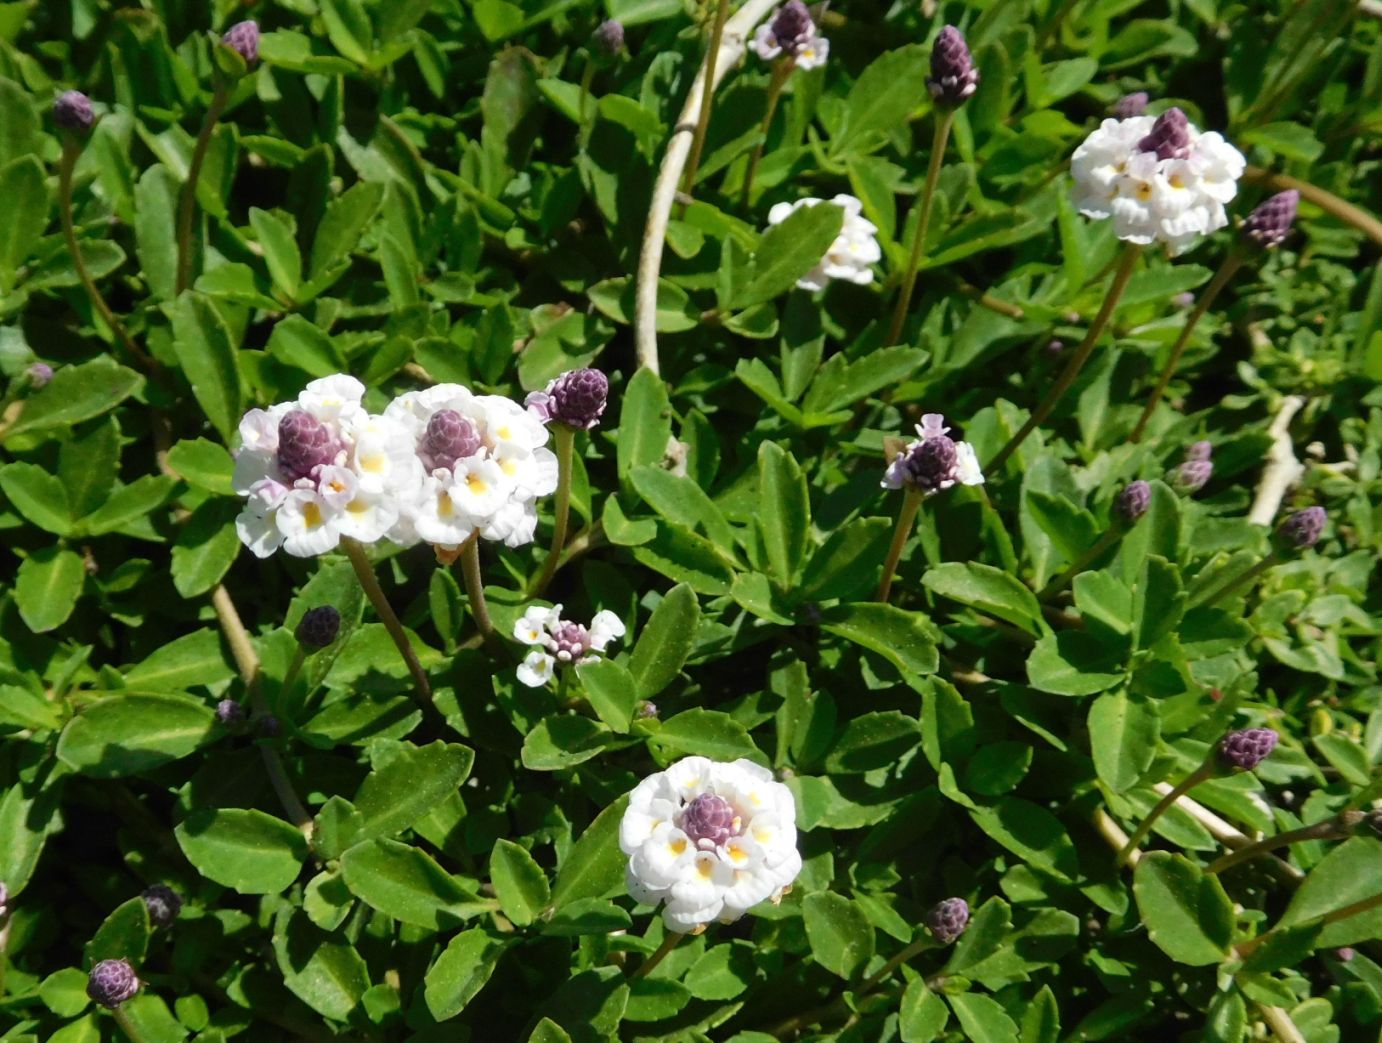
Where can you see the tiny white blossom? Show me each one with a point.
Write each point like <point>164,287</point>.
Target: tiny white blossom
<point>850,255</point>
<point>559,641</point>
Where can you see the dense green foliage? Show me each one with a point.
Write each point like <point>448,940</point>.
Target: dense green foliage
<point>419,191</point>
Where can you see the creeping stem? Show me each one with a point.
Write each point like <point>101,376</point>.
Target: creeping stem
<point>187,202</point>
<point>944,119</point>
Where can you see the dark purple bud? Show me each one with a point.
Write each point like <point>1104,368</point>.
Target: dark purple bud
<point>449,437</point>
<point>570,641</point>
<point>609,38</point>
<point>72,111</point>
<point>1246,749</point>
<point>709,821</point>
<point>576,398</point>
<point>953,76</point>
<point>163,904</point>
<point>1170,136</point>
<point>1268,225</point>
<point>1133,501</point>
<point>112,982</point>
<point>230,713</point>
<point>930,463</point>
<point>269,726</point>
<point>1302,529</point>
<point>39,374</point>
<point>304,444</point>
<point>1130,105</point>
<point>792,26</point>
<point>947,920</point>
<point>243,39</point>
<point>318,627</point>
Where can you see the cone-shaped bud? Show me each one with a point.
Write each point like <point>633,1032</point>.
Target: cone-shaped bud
<point>318,627</point>
<point>72,111</point>
<point>608,38</point>
<point>1269,224</point>
<point>1170,136</point>
<point>39,374</point>
<point>1302,529</point>
<point>230,713</point>
<point>1246,749</point>
<point>792,26</point>
<point>1130,105</point>
<point>953,76</point>
<point>577,399</point>
<point>243,39</point>
<point>163,904</point>
<point>708,818</point>
<point>112,982</point>
<point>449,437</point>
<point>1133,501</point>
<point>304,444</point>
<point>947,920</point>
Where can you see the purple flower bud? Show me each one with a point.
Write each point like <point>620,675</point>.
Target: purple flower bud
<point>709,821</point>
<point>72,111</point>
<point>1246,749</point>
<point>243,39</point>
<point>609,38</point>
<point>269,726</point>
<point>930,463</point>
<point>318,627</point>
<point>570,641</point>
<point>1302,529</point>
<point>576,398</point>
<point>1343,954</point>
<point>449,437</point>
<point>1269,224</point>
<point>163,904</point>
<point>1183,300</point>
<point>792,26</point>
<point>230,713</point>
<point>1193,475</point>
<point>1130,105</point>
<point>647,711</point>
<point>953,76</point>
<point>1133,501</point>
<point>39,374</point>
<point>112,982</point>
<point>304,444</point>
<point>1199,451</point>
<point>1055,347</point>
<point>1170,136</point>
<point>947,920</point>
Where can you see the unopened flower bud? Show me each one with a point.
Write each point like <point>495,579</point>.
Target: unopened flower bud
<point>230,713</point>
<point>953,76</point>
<point>1343,954</point>
<point>1170,136</point>
<point>947,920</point>
<point>576,398</point>
<point>1183,300</point>
<point>1055,347</point>
<point>1302,529</point>
<point>269,726</point>
<point>791,25</point>
<point>163,904</point>
<point>1199,451</point>
<point>318,627</point>
<point>1246,749</point>
<point>710,819</point>
<point>1133,501</point>
<point>647,711</point>
<point>112,982</point>
<point>243,39</point>
<point>449,437</point>
<point>1130,105</point>
<point>72,111</point>
<point>304,444</point>
<point>608,39</point>
<point>39,374</point>
<point>1194,474</point>
<point>1269,224</point>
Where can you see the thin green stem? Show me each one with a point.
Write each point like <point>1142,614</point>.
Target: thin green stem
<point>905,517</point>
<point>369,582</point>
<point>1330,829</point>
<point>187,201</point>
<point>917,947</point>
<point>294,668</point>
<point>475,587</point>
<point>565,440</point>
<point>1244,949</point>
<point>781,70</point>
<point>1126,262</point>
<point>1108,539</point>
<point>1238,582</point>
<point>587,77</point>
<point>127,1025</point>
<point>712,57</point>
<point>670,942</point>
<point>945,118</point>
<point>1231,264</point>
<point>1204,771</point>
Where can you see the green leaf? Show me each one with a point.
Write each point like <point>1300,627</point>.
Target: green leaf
<point>840,934</point>
<point>1185,910</point>
<point>24,188</point>
<point>207,545</point>
<point>665,641</point>
<point>1123,736</point>
<point>37,494</point>
<point>990,590</point>
<point>461,971</point>
<point>788,250</point>
<point>645,423</point>
<point>409,786</point>
<point>594,868</point>
<point>846,564</point>
<point>883,97</point>
<point>277,238</point>
<point>1032,833</point>
<point>547,1030</point>
<point>155,232</point>
<point>708,733</point>
<point>207,356</point>
<point>1041,1022</point>
<point>1158,601</point>
<point>406,883</point>
<point>123,934</point>
<point>873,740</point>
<point>320,969</point>
<point>611,691</point>
<point>129,503</point>
<point>87,465</point>
<point>23,709</point>
<point>784,511</point>
<point>75,393</point>
<point>922,1015</point>
<point>203,464</point>
<point>193,659</point>
<point>1074,663</point>
<point>340,230</point>
<point>562,742</point>
<point>680,500</point>
<point>983,1018</point>
<point>682,556</point>
<point>905,639</point>
<point>1348,874</point>
<point>243,848</point>
<point>519,882</point>
<point>64,993</point>
<point>134,732</point>
<point>587,916</point>
<point>47,587</point>
<point>298,343</point>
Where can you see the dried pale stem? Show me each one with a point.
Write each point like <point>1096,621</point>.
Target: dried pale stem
<point>1283,1028</point>
<point>1185,785</point>
<point>945,118</point>
<point>712,56</point>
<point>1113,833</point>
<point>187,201</point>
<point>1103,543</point>
<point>1329,829</point>
<point>905,517</point>
<point>1283,469</point>
<point>565,439</point>
<point>781,70</point>
<point>475,587</point>
<point>1226,271</point>
<point>369,582</point>
<point>1121,275</point>
<point>670,942</point>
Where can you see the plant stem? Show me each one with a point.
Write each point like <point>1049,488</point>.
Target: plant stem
<point>475,587</point>
<point>565,439</point>
<point>1103,543</point>
<point>70,152</point>
<point>187,202</point>
<point>1231,264</point>
<point>669,943</point>
<point>127,1026</point>
<point>1121,275</point>
<point>919,946</point>
<point>1238,582</point>
<point>1329,829</point>
<point>712,55</point>
<point>1204,771</point>
<point>944,119</point>
<point>1363,905</point>
<point>1283,1028</point>
<point>781,70</point>
<point>587,77</point>
<point>905,517</point>
<point>369,582</point>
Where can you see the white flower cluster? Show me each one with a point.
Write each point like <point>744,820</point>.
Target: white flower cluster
<point>561,641</point>
<point>791,31</point>
<point>709,839</point>
<point>853,250</point>
<point>1163,194</point>
<point>934,461</point>
<point>438,465</point>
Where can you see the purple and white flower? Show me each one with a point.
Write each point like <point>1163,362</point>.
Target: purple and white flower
<point>560,642</point>
<point>934,462</point>
<point>791,32</point>
<point>853,250</point>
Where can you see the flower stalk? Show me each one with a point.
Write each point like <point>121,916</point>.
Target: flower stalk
<point>564,440</point>
<point>127,1025</point>
<point>945,119</point>
<point>782,69</point>
<point>187,201</point>
<point>670,942</point>
<point>1336,828</point>
<point>1200,774</point>
<point>911,504</point>
<point>475,588</point>
<point>369,582</point>
<point>712,55</point>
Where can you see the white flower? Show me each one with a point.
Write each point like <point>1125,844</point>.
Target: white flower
<point>791,32</point>
<point>852,252</point>
<point>933,462</point>
<point>560,641</point>
<point>1172,195</point>
<point>710,840</point>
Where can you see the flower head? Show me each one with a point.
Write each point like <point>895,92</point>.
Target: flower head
<point>947,920</point>
<point>1161,180</point>
<point>576,398</point>
<point>39,373</point>
<point>112,982</point>
<point>1194,473</point>
<point>1302,529</point>
<point>243,39</point>
<point>318,627</point>
<point>72,111</point>
<point>608,37</point>
<point>560,642</point>
<point>1246,749</point>
<point>934,462</point>
<point>1133,501</point>
<point>1269,224</point>
<point>1129,105</point>
<point>953,76</point>
<point>791,32</point>
<point>230,713</point>
<point>448,437</point>
<point>163,904</point>
<point>853,250</point>
<point>710,840</point>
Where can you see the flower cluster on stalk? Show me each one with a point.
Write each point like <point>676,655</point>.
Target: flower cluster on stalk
<point>934,461</point>
<point>791,32</point>
<point>852,252</point>
<point>560,642</point>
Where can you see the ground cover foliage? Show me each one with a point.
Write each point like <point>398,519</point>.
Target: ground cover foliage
<point>427,192</point>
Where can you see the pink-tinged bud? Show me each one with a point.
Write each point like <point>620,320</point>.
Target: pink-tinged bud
<point>1199,451</point>
<point>1271,222</point>
<point>1302,529</point>
<point>72,111</point>
<point>570,641</point>
<point>947,920</point>
<point>1344,954</point>
<point>1130,105</point>
<point>1246,749</point>
<point>1184,299</point>
<point>953,76</point>
<point>449,437</point>
<point>304,444</point>
<point>1170,136</point>
<point>577,399</point>
<point>608,39</point>
<point>243,39</point>
<point>230,713</point>
<point>318,627</point>
<point>5,896</point>
<point>1193,475</point>
<point>708,820</point>
<point>112,982</point>
<point>163,904</point>
<point>1133,501</point>
<point>39,374</point>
